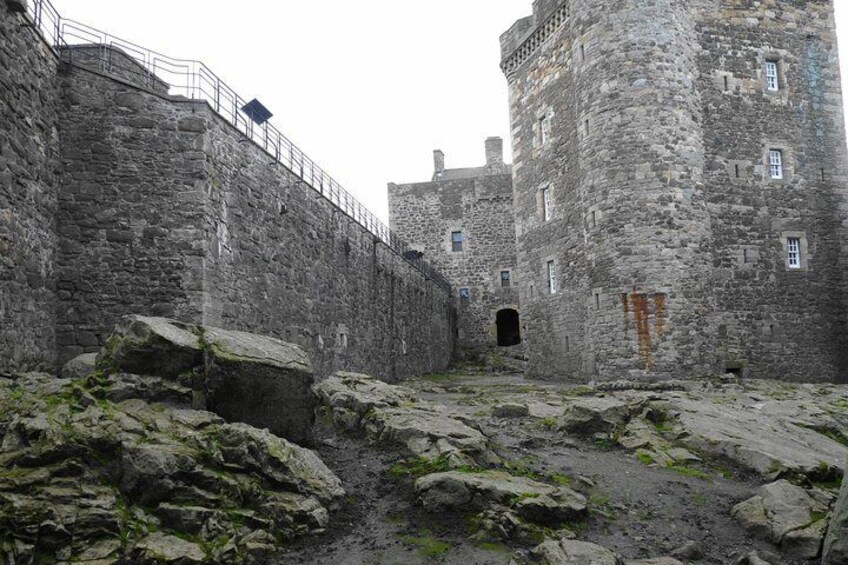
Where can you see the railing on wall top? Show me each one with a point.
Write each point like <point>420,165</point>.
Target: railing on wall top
<point>194,80</point>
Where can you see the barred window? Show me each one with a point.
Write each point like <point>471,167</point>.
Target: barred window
<point>776,164</point>
<point>552,277</point>
<point>772,78</point>
<point>793,247</point>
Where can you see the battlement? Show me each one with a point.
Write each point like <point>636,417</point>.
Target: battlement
<point>528,34</point>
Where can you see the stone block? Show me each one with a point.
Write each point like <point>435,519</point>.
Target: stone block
<point>260,381</point>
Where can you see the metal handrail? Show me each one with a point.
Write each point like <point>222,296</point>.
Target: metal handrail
<point>194,80</point>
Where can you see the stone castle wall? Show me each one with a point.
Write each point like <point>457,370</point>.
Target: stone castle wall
<point>667,264</point>
<point>477,202</point>
<point>162,208</point>
<point>28,196</point>
<point>282,258</point>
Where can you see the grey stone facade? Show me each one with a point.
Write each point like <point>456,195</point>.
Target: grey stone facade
<point>29,150</point>
<point>120,199</point>
<point>475,203</point>
<point>651,123</point>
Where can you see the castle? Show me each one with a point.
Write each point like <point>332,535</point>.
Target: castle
<point>676,205</point>
<point>679,189</point>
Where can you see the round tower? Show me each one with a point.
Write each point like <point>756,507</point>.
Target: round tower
<point>610,150</point>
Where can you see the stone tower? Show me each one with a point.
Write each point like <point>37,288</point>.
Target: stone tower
<point>679,183</point>
<point>462,222</point>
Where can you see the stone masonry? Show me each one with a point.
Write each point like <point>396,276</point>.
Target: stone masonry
<point>473,205</point>
<point>117,198</point>
<point>676,244</point>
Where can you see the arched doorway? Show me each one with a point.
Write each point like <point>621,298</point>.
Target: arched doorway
<point>509,328</point>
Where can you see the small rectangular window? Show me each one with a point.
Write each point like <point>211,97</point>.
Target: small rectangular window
<point>582,52</point>
<point>464,296</point>
<point>544,130</point>
<point>505,279</point>
<point>772,79</point>
<point>776,164</point>
<point>547,204</point>
<point>552,277</point>
<point>456,241</point>
<point>793,247</point>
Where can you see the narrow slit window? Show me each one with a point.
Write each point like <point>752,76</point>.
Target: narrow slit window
<point>597,301</point>
<point>793,247</point>
<point>506,279</point>
<point>582,52</point>
<point>552,277</point>
<point>772,77</point>
<point>456,241</point>
<point>547,204</point>
<point>586,127</point>
<point>544,130</point>
<point>726,83</point>
<point>594,219</point>
<point>737,170</point>
<point>776,164</point>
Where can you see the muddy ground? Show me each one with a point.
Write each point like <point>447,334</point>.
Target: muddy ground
<point>637,510</point>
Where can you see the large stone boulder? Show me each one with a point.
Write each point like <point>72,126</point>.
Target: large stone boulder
<point>590,415</point>
<point>152,346</point>
<point>260,381</point>
<point>242,377</point>
<point>531,500</point>
<point>84,479</point>
<point>836,544</point>
<point>79,367</point>
<point>574,552</point>
<point>786,515</point>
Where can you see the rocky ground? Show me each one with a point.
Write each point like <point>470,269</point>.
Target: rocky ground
<point>671,470</point>
<point>105,466</point>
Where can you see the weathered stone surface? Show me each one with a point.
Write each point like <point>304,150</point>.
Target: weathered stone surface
<point>261,381</point>
<point>590,415</point>
<point>573,552</point>
<point>836,544</point>
<point>120,482</point>
<point>80,366</point>
<point>152,346</point>
<point>656,561</point>
<point>511,411</point>
<point>531,500</point>
<point>785,515</point>
<point>391,415</point>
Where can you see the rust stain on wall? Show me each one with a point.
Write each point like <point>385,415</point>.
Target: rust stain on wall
<point>661,322</point>
<point>643,327</point>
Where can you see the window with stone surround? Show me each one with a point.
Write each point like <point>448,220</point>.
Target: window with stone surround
<point>547,204</point>
<point>552,277</point>
<point>772,76</point>
<point>776,164</point>
<point>464,295</point>
<point>793,251</point>
<point>456,241</point>
<point>544,126</point>
<point>506,279</point>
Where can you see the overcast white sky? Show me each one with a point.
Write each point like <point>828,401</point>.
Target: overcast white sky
<point>367,89</point>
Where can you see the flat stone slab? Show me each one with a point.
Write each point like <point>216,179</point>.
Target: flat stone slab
<point>531,500</point>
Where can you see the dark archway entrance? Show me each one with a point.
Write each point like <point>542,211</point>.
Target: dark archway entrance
<point>509,328</point>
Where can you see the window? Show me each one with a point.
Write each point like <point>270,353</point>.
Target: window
<point>793,248</point>
<point>544,130</point>
<point>456,241</point>
<point>464,296</point>
<point>582,52</point>
<point>547,204</point>
<point>772,79</point>
<point>586,128</point>
<point>505,279</point>
<point>552,277</point>
<point>776,164</point>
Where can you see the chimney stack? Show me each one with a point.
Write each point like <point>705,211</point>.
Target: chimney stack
<point>439,161</point>
<point>494,152</point>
